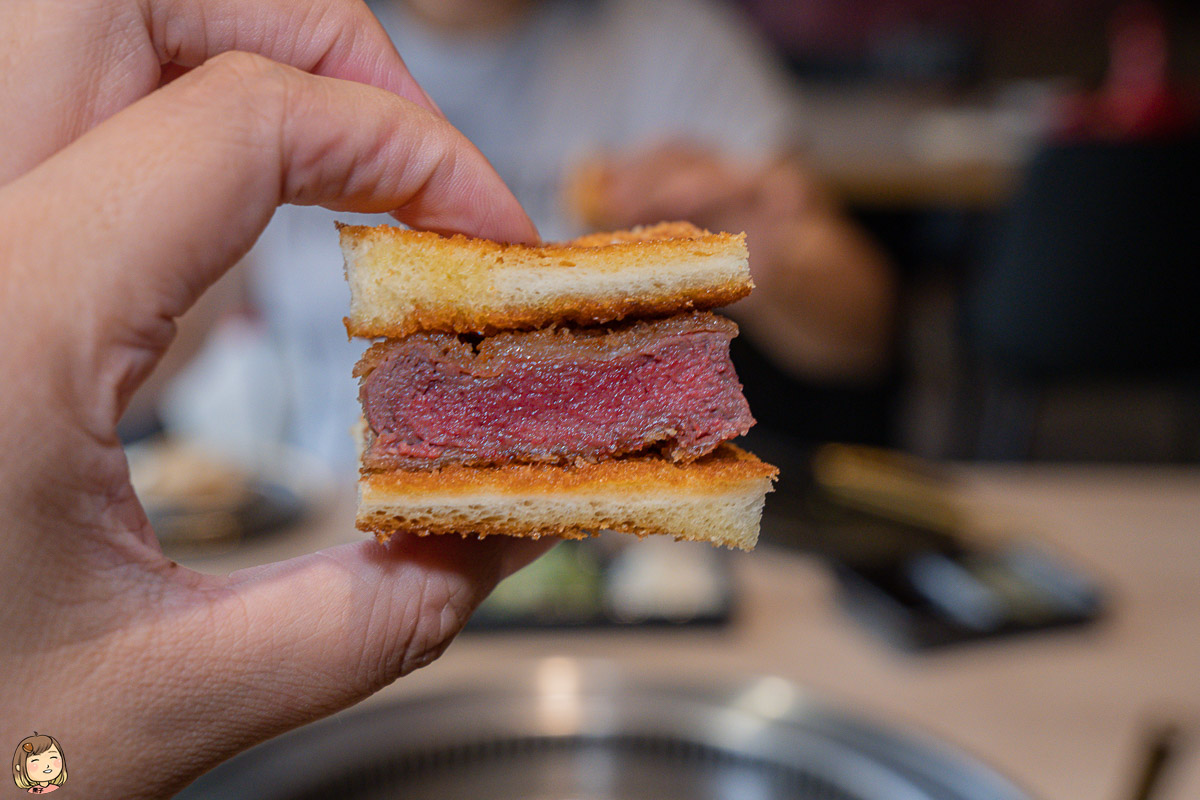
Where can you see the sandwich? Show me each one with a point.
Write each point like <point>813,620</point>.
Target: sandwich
<point>557,389</point>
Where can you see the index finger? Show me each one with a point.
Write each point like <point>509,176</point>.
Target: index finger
<point>96,58</point>
<point>165,196</point>
<point>333,38</point>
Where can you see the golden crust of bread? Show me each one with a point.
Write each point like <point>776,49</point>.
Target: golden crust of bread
<point>716,499</point>
<point>646,233</point>
<point>727,465</point>
<point>405,281</point>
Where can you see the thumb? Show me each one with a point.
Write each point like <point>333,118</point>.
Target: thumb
<point>206,667</point>
<point>335,626</point>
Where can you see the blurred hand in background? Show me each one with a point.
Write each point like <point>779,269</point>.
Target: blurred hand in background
<point>825,293</point>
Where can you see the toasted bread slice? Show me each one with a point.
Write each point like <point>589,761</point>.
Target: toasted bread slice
<point>717,499</point>
<point>405,281</point>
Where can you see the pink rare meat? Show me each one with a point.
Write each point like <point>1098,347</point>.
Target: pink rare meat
<point>560,395</point>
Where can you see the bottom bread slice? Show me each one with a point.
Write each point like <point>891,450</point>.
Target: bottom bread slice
<point>716,499</point>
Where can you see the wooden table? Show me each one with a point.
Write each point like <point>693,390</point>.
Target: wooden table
<point>894,149</point>
<point>1062,714</point>
<point>905,184</point>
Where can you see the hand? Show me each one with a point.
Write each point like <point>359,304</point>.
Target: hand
<point>147,672</point>
<point>823,304</point>
<point>70,64</point>
<point>682,180</point>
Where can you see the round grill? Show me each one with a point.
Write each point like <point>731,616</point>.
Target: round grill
<point>566,730</point>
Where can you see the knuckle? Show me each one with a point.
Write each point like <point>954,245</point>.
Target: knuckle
<point>244,76</point>
<point>240,64</point>
<point>253,90</point>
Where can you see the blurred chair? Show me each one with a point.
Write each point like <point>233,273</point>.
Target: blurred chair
<point>1095,276</point>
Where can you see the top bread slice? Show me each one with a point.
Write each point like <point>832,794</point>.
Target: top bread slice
<point>405,281</point>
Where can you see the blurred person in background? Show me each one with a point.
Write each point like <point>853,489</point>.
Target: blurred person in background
<point>652,111</point>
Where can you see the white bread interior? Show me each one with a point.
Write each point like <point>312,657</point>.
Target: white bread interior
<point>405,281</point>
